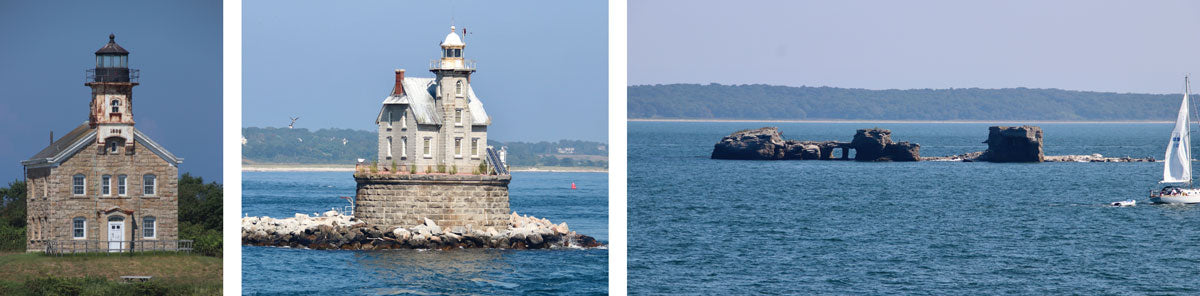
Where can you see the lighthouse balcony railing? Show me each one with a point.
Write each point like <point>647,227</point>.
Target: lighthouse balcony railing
<point>451,65</point>
<point>112,75</point>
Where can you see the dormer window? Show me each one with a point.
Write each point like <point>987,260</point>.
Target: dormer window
<point>116,106</point>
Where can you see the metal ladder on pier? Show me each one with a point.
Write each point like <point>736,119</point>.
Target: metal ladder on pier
<point>493,160</point>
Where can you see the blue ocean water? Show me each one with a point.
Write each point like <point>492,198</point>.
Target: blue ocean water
<point>707,226</point>
<point>284,271</point>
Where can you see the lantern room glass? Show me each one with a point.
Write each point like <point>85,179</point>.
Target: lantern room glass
<point>112,61</point>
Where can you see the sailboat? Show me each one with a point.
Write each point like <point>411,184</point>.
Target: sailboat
<point>1177,165</point>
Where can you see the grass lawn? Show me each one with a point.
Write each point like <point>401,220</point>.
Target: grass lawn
<point>173,273</point>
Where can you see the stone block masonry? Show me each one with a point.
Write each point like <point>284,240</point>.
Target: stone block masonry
<point>406,200</point>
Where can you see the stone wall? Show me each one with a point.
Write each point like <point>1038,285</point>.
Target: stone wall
<point>52,204</point>
<point>405,200</point>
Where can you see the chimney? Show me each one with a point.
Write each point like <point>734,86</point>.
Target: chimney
<point>399,90</point>
<point>51,137</point>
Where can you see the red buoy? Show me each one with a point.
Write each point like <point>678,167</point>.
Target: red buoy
<point>572,185</point>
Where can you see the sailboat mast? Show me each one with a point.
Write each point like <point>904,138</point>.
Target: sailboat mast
<point>1187,91</point>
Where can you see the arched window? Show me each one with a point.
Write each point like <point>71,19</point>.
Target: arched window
<point>148,227</point>
<point>403,146</point>
<point>78,183</point>
<point>458,88</point>
<point>79,228</point>
<point>148,185</point>
<point>116,106</point>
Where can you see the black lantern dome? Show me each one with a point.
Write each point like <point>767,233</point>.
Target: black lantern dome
<point>112,62</point>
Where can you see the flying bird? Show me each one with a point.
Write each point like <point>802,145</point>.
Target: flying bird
<point>293,124</point>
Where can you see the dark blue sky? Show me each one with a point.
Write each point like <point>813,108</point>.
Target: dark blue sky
<point>47,46</point>
<point>1112,46</point>
<point>542,65</point>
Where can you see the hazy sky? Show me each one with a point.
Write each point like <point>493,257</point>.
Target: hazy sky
<point>47,46</point>
<point>1117,46</point>
<point>542,65</point>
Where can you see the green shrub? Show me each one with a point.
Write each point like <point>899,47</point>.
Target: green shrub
<point>483,169</point>
<point>413,169</point>
<point>100,286</point>
<point>206,242</point>
<point>374,167</point>
<point>60,286</point>
<point>428,169</point>
<point>394,167</point>
<point>12,238</point>
<point>441,169</point>
<point>454,169</point>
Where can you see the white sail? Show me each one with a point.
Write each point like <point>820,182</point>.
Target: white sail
<point>1177,166</point>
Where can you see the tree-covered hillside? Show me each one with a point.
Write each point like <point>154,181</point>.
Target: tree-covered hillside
<point>344,146</point>
<point>757,101</point>
<point>323,146</point>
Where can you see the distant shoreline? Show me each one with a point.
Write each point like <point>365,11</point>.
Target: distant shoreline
<point>889,121</point>
<point>350,168</point>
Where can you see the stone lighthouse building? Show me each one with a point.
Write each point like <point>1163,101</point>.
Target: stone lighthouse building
<point>427,122</point>
<point>433,131</point>
<point>104,185</point>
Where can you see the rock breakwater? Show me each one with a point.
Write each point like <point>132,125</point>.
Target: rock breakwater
<point>333,231</point>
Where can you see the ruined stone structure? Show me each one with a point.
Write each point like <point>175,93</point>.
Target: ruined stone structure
<point>427,122</point>
<point>104,182</point>
<point>1014,144</point>
<point>406,200</point>
<point>767,144</point>
<point>433,162</point>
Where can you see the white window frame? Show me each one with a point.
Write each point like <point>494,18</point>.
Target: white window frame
<point>389,147</point>
<point>458,117</point>
<point>458,147</point>
<point>106,185</point>
<point>458,88</point>
<point>475,148</point>
<point>121,182</point>
<point>152,185</point>
<point>82,226</point>
<point>150,223</point>
<point>116,106</point>
<point>82,186</point>
<point>403,146</point>
<point>427,147</point>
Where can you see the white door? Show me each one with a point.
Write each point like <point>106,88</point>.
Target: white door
<point>116,236</point>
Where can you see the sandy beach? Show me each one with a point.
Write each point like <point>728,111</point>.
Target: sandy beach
<point>350,168</point>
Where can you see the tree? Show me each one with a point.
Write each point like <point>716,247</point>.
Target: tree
<point>12,199</point>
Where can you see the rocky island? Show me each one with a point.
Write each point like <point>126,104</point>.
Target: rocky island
<point>333,231</point>
<point>767,144</point>
<point>1005,144</point>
